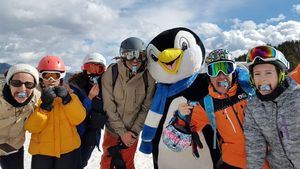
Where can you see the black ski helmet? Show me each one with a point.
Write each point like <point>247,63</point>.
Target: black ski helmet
<point>132,44</point>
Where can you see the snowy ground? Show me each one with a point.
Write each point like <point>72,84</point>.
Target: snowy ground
<point>142,161</point>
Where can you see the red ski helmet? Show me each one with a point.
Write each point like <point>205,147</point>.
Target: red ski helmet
<point>51,63</point>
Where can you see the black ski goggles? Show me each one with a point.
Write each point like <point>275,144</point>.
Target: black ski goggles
<point>19,83</point>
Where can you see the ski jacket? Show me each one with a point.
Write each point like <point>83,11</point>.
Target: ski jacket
<point>295,74</point>
<point>127,102</point>
<point>12,120</point>
<point>54,132</point>
<point>276,125</point>
<point>229,117</point>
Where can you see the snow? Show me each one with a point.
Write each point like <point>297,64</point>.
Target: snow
<point>142,161</point>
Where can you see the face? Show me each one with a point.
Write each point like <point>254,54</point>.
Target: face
<point>221,83</point>
<point>21,94</point>
<point>133,63</point>
<point>265,78</point>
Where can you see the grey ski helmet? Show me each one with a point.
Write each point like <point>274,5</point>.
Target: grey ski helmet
<point>132,48</point>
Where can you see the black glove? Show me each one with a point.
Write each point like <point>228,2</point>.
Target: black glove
<point>47,98</point>
<point>117,161</point>
<point>89,137</point>
<point>63,93</point>
<point>196,142</point>
<point>97,105</point>
<point>97,117</point>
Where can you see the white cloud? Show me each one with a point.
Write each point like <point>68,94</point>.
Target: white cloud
<point>296,8</point>
<point>208,29</point>
<point>240,38</point>
<point>72,28</point>
<point>277,19</point>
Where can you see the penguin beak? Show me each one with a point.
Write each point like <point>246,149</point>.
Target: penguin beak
<point>170,59</point>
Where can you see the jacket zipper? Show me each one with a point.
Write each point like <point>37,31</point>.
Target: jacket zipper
<point>230,120</point>
<point>280,135</point>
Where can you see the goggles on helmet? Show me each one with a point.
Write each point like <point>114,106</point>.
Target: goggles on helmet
<point>215,68</point>
<point>19,83</point>
<point>265,53</point>
<point>52,75</point>
<point>130,55</point>
<point>94,68</point>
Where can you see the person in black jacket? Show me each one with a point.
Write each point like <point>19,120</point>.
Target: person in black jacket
<point>86,85</point>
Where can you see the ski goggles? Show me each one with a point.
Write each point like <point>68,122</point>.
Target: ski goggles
<point>263,52</point>
<point>94,68</point>
<point>52,75</point>
<point>130,55</point>
<point>215,68</point>
<point>19,83</point>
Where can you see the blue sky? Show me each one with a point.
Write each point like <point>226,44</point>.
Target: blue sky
<point>73,28</point>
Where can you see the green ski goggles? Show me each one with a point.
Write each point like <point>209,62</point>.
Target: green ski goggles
<point>215,68</point>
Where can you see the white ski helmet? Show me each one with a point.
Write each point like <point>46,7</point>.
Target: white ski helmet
<point>94,58</point>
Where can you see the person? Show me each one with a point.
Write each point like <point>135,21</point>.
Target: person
<point>272,121</point>
<point>295,74</point>
<point>222,109</point>
<point>17,100</point>
<point>54,140</point>
<point>127,89</point>
<point>86,86</point>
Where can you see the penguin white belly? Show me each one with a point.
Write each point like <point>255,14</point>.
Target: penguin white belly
<point>169,159</point>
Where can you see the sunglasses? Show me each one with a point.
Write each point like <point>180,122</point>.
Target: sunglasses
<point>215,68</point>
<point>94,68</point>
<point>19,83</point>
<point>130,55</point>
<point>52,75</point>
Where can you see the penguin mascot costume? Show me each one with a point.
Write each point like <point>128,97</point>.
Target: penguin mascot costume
<point>175,58</point>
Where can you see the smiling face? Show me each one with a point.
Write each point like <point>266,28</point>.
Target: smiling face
<point>221,83</point>
<point>265,78</point>
<point>21,93</point>
<point>133,63</point>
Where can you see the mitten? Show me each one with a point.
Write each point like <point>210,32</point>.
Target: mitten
<point>196,142</point>
<point>63,93</point>
<point>117,161</point>
<point>47,98</point>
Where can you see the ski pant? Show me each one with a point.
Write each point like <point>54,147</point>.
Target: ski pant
<point>13,161</point>
<point>66,161</point>
<point>127,154</point>
<point>85,154</point>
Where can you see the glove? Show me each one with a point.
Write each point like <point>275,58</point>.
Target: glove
<point>117,161</point>
<point>63,93</point>
<point>89,137</point>
<point>97,105</point>
<point>146,147</point>
<point>47,98</point>
<point>196,142</point>
<point>96,120</point>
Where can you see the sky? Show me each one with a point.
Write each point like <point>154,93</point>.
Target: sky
<point>71,29</point>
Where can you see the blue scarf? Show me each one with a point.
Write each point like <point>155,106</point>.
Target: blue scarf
<point>162,93</point>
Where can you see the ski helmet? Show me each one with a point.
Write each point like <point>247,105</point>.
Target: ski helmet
<point>132,48</point>
<point>267,54</point>
<point>219,55</point>
<point>95,58</point>
<point>220,60</point>
<point>51,63</point>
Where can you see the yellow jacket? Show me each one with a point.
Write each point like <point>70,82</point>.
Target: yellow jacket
<point>54,133</point>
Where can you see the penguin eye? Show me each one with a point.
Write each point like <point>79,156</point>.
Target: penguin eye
<point>154,58</point>
<point>184,44</point>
